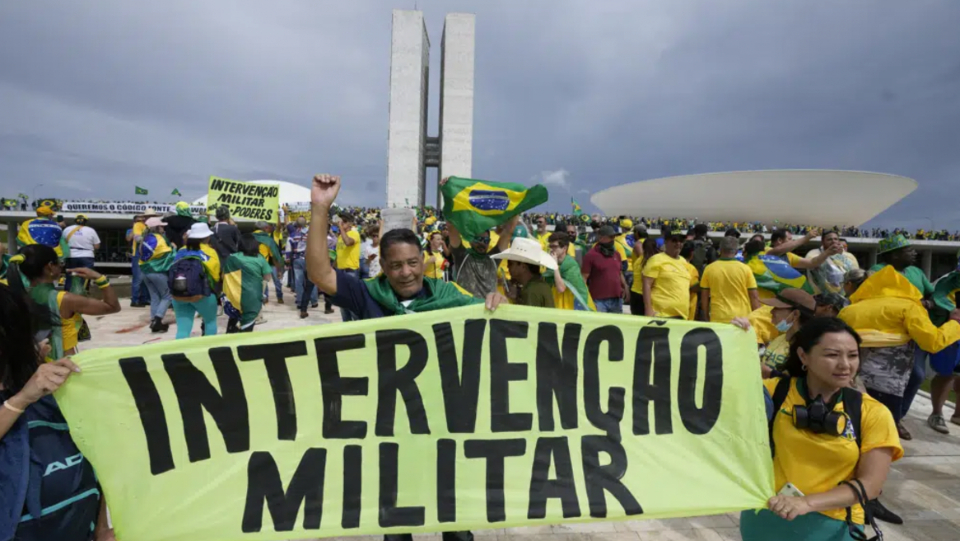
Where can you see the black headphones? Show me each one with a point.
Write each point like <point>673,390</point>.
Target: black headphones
<point>818,416</point>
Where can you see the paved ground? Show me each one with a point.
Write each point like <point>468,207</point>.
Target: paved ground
<point>924,487</point>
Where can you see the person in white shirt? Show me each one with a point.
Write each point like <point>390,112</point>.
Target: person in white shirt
<point>84,242</point>
<point>370,251</point>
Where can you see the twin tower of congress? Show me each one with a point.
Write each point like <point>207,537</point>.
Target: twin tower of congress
<point>410,150</point>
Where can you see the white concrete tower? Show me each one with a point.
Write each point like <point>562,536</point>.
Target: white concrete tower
<point>407,135</point>
<point>456,96</point>
<point>409,150</point>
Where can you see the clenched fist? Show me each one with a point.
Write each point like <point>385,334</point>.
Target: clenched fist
<point>324,190</point>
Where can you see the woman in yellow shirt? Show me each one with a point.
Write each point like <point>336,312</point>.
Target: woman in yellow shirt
<point>433,260</point>
<point>816,448</point>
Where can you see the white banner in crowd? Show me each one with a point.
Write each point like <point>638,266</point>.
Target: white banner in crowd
<point>116,207</point>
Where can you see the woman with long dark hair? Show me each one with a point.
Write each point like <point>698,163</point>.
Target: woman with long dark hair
<point>34,272</point>
<point>41,502</point>
<point>832,445</point>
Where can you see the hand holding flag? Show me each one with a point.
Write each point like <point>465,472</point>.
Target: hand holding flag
<point>475,206</point>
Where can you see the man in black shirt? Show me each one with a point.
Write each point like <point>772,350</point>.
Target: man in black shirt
<point>178,225</point>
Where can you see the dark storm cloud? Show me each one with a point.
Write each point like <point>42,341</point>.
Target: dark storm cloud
<point>584,95</point>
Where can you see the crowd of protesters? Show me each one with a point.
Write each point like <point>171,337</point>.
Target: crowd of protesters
<point>842,349</point>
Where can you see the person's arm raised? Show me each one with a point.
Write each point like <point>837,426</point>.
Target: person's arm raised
<point>792,245</point>
<point>78,304</point>
<point>506,233</point>
<point>322,194</point>
<point>455,239</point>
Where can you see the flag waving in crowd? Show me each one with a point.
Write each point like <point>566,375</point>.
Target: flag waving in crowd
<point>577,210</point>
<point>476,206</point>
<point>140,191</point>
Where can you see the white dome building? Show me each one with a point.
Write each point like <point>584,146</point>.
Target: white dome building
<point>814,197</point>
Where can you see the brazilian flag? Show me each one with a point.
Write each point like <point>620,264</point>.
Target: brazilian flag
<point>140,191</point>
<point>243,284</point>
<point>268,248</point>
<point>945,298</point>
<point>775,275</point>
<point>577,211</point>
<point>475,206</point>
<point>176,192</point>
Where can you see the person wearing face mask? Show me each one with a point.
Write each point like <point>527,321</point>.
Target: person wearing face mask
<point>832,446</point>
<point>790,310</point>
<point>603,273</point>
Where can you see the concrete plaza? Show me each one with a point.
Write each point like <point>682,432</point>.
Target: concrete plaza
<point>924,487</point>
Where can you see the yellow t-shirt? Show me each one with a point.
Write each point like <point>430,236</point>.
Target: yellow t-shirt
<point>729,282</point>
<point>670,294</point>
<point>212,265</point>
<point>545,241</point>
<point>433,265</point>
<point>348,257</point>
<point>637,286</point>
<point>762,321</point>
<point>694,280</point>
<point>69,327</point>
<point>775,356</point>
<point>138,230</point>
<point>816,463</point>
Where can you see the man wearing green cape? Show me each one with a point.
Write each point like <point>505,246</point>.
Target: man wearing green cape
<point>400,289</point>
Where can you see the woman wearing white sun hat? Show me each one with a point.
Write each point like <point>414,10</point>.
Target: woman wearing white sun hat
<point>193,278</point>
<point>524,259</point>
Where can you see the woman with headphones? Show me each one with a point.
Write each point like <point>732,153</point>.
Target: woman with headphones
<point>832,446</point>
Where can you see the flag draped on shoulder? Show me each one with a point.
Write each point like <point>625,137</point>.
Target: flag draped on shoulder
<point>475,206</point>
<point>264,238</point>
<point>438,296</point>
<point>243,282</point>
<point>774,274</point>
<point>573,279</point>
<point>577,210</point>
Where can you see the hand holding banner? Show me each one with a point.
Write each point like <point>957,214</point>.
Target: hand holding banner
<point>246,200</point>
<point>422,423</point>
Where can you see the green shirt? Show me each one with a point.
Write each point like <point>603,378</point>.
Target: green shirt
<point>914,275</point>
<point>536,292</point>
<point>243,283</point>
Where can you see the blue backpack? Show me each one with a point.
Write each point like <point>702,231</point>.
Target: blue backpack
<point>187,278</point>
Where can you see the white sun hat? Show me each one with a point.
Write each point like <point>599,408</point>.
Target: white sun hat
<point>527,251</point>
<point>199,230</point>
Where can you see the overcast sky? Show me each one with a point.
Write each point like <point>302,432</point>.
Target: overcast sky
<point>96,97</point>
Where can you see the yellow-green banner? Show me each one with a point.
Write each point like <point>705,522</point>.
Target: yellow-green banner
<point>447,421</point>
<point>246,200</point>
